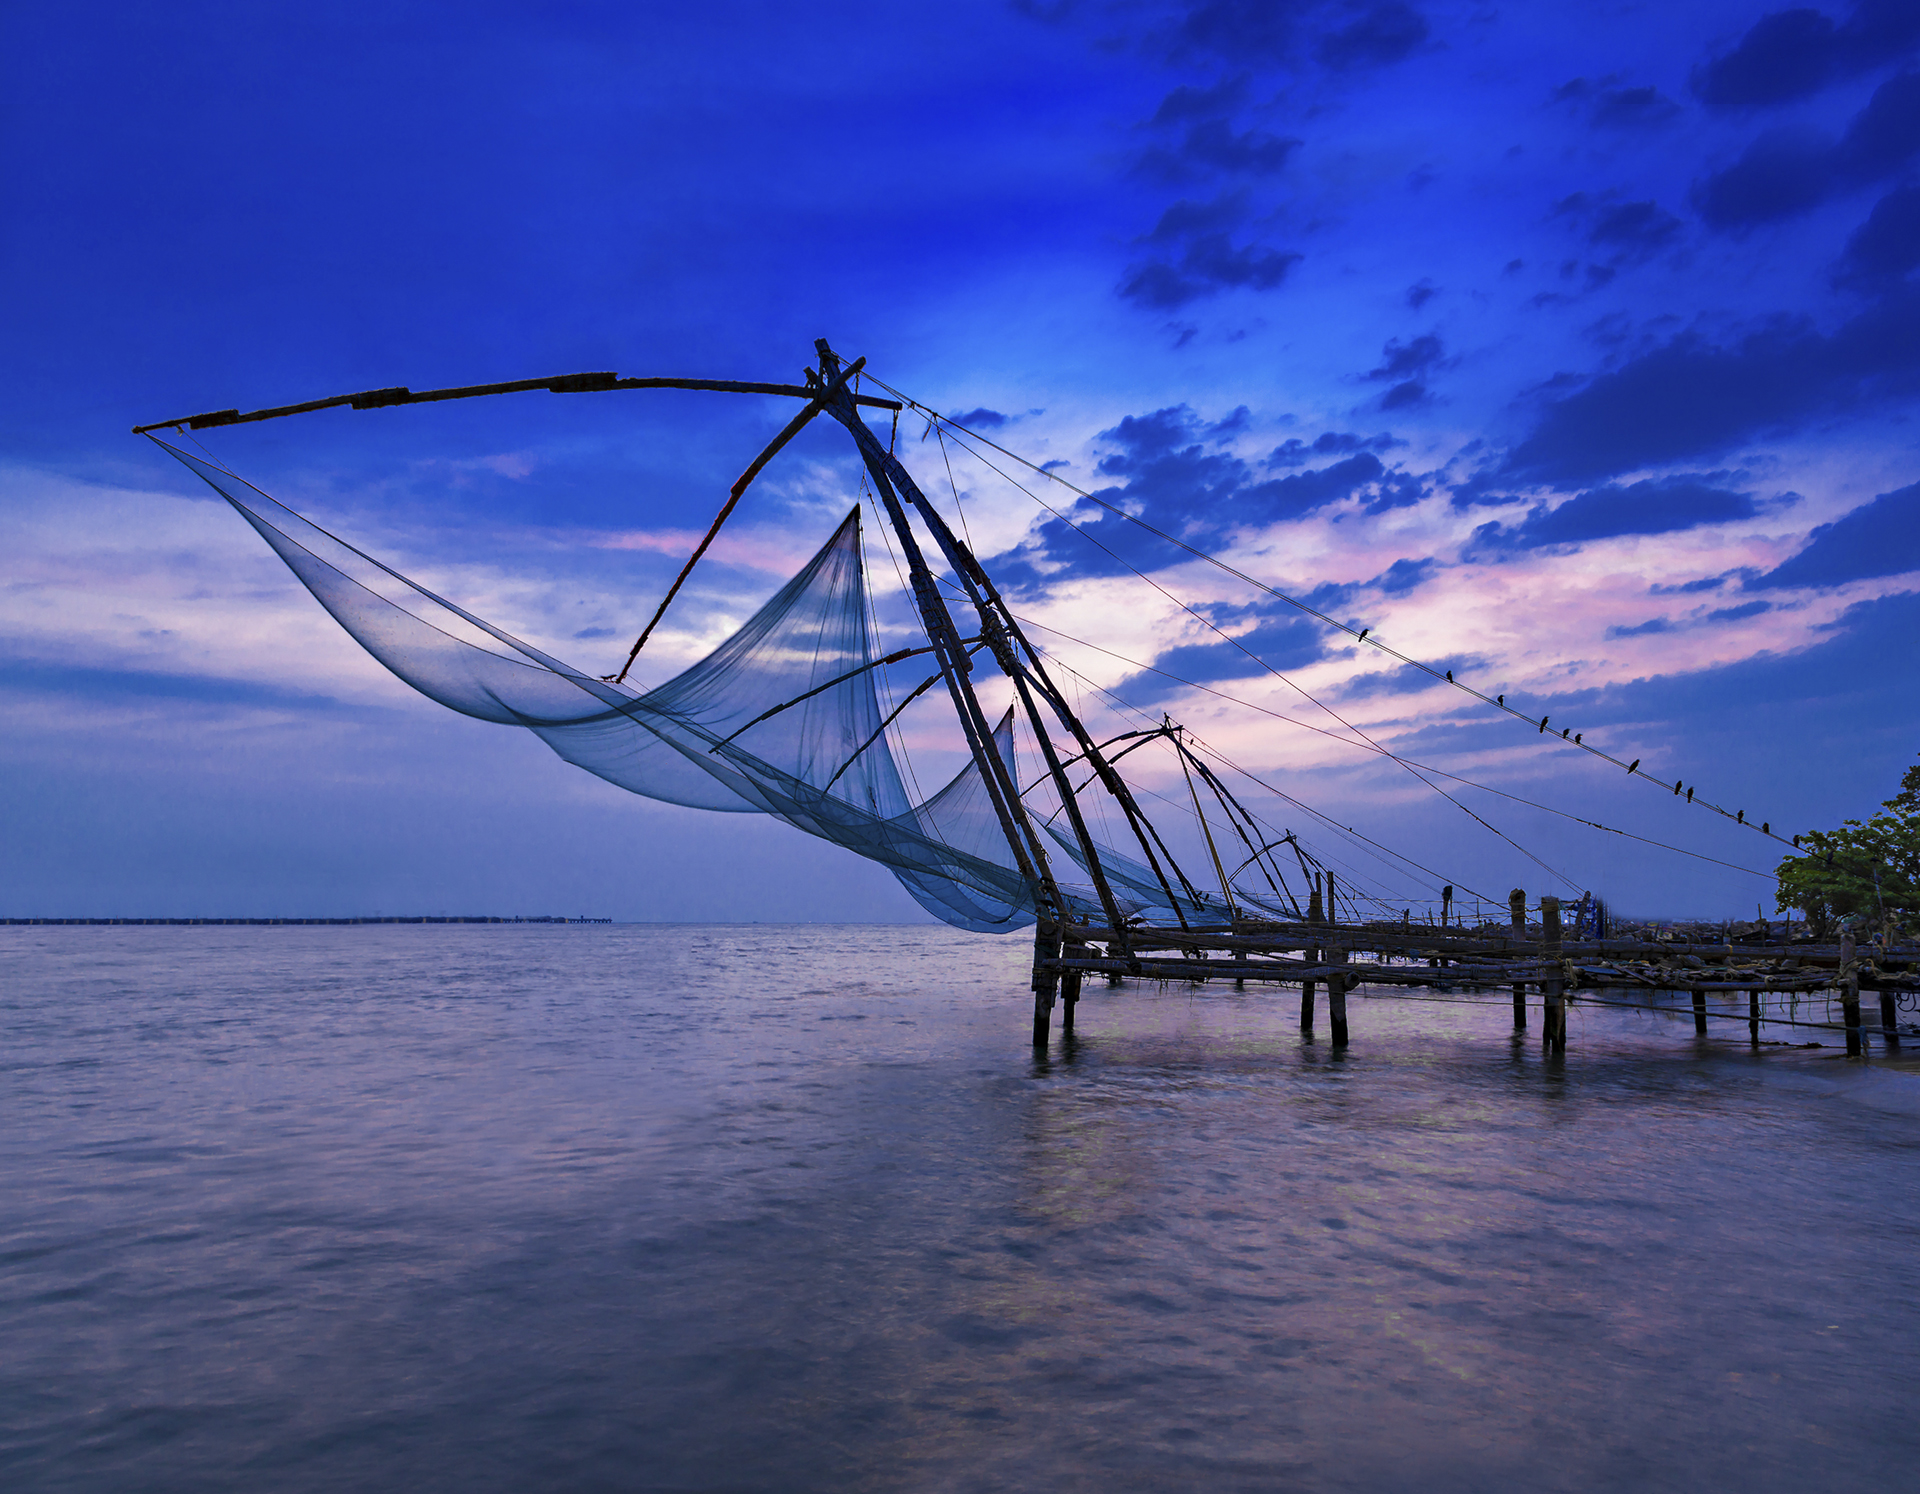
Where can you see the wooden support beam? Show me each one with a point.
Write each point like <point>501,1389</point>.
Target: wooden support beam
<point>1850,993</point>
<point>1314,915</point>
<point>1700,1012</point>
<point>1889,1020</point>
<point>580,383</point>
<point>1070,986</point>
<point>1517,920</point>
<point>1337,999</point>
<point>1046,979</point>
<point>1753,1017</point>
<point>1553,988</point>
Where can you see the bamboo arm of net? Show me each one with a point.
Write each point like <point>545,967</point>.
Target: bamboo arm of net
<point>580,383</point>
<point>912,695</point>
<point>793,428</point>
<point>838,679</point>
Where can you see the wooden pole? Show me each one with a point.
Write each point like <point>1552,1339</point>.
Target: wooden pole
<point>956,665</point>
<point>792,428</point>
<point>1889,1020</point>
<point>1046,946</point>
<point>1312,952</point>
<point>1753,1017</point>
<point>1700,1013</point>
<point>1517,915</point>
<point>1337,998</point>
<point>1850,992</point>
<point>1070,987</point>
<point>1553,987</point>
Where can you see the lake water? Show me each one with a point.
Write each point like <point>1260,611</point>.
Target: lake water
<point>769,1208</point>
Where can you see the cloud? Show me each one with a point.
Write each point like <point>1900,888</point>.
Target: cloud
<point>1792,54</point>
<point>1293,452</point>
<point>1887,245</point>
<point>1689,588</point>
<point>1783,173</point>
<point>1407,680</point>
<point>1690,398</point>
<point>1671,625</point>
<point>1290,497</point>
<point>1405,360</point>
<point>1212,146</point>
<point>1281,638</point>
<point>1253,153</point>
<point>1636,228</point>
<point>1249,31</point>
<point>1786,172</point>
<point>1404,575</point>
<point>1654,506</point>
<point>1382,34</point>
<point>1640,630</point>
<point>1186,104</point>
<point>980,419</point>
<point>1881,538</point>
<point>1346,37</point>
<point>1178,479</point>
<point>1407,365</point>
<point>1610,107</point>
<point>1633,109</point>
<point>1188,218</point>
<point>1210,264</point>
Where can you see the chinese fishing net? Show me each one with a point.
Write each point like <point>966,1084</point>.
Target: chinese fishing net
<point>821,765</point>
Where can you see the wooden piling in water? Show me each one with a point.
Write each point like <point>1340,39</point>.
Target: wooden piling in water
<point>1337,998</point>
<point>1553,988</point>
<point>1889,1020</point>
<point>1700,1013</point>
<point>1046,948</point>
<point>1311,952</point>
<point>1517,917</point>
<point>1850,992</point>
<point>1753,1017</point>
<point>1070,987</point>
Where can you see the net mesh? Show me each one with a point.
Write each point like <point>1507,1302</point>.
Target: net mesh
<point>822,765</point>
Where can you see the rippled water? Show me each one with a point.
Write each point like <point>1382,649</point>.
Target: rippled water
<point>759,1208</point>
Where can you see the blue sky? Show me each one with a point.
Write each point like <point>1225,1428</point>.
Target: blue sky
<point>1571,347</point>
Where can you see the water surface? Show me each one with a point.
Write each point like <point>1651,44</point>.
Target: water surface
<point>764,1208</point>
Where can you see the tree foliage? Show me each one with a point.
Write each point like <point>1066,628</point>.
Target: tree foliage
<point>1868,868</point>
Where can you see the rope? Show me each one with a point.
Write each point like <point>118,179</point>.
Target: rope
<point>1485,824</point>
<point>1383,751</point>
<point>1359,635</point>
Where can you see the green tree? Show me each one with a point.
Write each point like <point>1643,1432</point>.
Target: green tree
<point>1866,867</point>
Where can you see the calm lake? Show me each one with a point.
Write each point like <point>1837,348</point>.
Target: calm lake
<point>796,1208</point>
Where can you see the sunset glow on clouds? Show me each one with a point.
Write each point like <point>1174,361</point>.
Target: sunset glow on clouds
<point>1574,349</point>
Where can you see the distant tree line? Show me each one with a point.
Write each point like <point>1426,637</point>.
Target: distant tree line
<point>1867,870</point>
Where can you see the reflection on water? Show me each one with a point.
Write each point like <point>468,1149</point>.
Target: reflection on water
<point>795,1208</point>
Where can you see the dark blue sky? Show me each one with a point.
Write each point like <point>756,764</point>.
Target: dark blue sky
<point>1573,346</point>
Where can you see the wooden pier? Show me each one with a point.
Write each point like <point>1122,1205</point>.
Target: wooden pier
<point>1521,959</point>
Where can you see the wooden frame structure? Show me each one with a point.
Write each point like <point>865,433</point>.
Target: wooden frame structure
<point>1316,950</point>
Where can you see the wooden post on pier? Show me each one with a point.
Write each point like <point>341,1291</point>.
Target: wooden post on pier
<point>1517,915</point>
<point>1046,946</point>
<point>1554,985</point>
<point>1753,1017</point>
<point>1337,998</point>
<point>1070,987</point>
<point>1311,952</point>
<point>1850,992</point>
<point>1700,1013</point>
<point>1889,1019</point>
